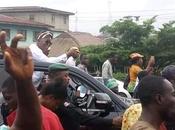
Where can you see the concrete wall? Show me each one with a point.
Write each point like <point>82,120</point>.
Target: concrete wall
<point>46,18</point>
<point>29,35</point>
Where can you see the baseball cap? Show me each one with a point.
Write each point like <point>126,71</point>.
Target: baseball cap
<point>135,55</point>
<point>57,67</point>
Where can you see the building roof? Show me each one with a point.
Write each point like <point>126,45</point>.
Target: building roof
<point>18,21</point>
<point>86,39</point>
<point>66,40</point>
<point>62,43</point>
<point>22,9</point>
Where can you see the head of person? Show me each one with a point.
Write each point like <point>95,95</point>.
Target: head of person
<point>59,72</point>
<point>53,94</point>
<point>169,73</point>
<point>44,41</point>
<point>157,94</point>
<point>9,93</point>
<point>112,83</point>
<point>136,58</point>
<point>84,59</point>
<point>113,58</point>
<point>74,52</point>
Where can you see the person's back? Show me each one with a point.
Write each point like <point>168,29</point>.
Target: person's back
<point>50,121</point>
<point>135,67</point>
<point>140,76</point>
<point>133,72</point>
<point>68,115</point>
<point>107,72</point>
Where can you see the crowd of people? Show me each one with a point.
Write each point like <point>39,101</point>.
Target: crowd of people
<point>51,108</point>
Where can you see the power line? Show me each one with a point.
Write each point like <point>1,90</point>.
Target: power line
<point>129,11</point>
<point>117,17</point>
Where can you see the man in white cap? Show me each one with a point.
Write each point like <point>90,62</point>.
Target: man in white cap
<point>40,52</point>
<point>41,49</point>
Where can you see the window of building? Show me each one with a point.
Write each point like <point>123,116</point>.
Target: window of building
<point>65,20</point>
<point>53,19</point>
<point>7,33</point>
<point>24,33</point>
<point>35,35</point>
<point>31,17</point>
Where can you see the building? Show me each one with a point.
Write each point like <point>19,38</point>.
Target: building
<point>66,40</point>
<point>29,29</point>
<point>58,19</point>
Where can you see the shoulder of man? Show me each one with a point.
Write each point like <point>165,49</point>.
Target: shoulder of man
<point>142,125</point>
<point>106,63</point>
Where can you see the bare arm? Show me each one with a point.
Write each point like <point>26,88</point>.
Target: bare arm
<point>151,64</point>
<point>18,63</point>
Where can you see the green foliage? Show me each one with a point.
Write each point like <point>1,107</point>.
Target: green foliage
<point>126,36</point>
<point>120,76</point>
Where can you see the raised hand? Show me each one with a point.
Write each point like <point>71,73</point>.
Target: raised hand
<point>18,61</point>
<point>151,61</point>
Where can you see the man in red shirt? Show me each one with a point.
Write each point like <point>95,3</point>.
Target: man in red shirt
<point>50,121</point>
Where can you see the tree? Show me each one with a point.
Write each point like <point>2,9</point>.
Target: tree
<point>126,36</point>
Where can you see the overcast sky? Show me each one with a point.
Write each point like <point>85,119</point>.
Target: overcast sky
<point>91,15</point>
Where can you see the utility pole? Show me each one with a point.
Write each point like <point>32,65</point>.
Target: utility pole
<point>76,21</point>
<point>109,12</point>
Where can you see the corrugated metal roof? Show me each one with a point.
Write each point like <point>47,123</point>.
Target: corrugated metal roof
<point>18,21</point>
<point>32,9</point>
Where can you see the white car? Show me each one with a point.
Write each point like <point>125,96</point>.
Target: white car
<point>121,91</point>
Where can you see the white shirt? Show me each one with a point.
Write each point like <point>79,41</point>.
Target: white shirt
<point>71,61</point>
<point>39,56</point>
<point>63,58</point>
<point>107,72</point>
<point>82,67</point>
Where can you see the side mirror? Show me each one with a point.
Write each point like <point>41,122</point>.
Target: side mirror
<point>82,91</point>
<point>102,101</point>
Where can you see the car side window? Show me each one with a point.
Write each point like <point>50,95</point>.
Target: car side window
<point>80,85</point>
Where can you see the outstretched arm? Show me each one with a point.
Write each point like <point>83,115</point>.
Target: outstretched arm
<point>18,63</point>
<point>150,66</point>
